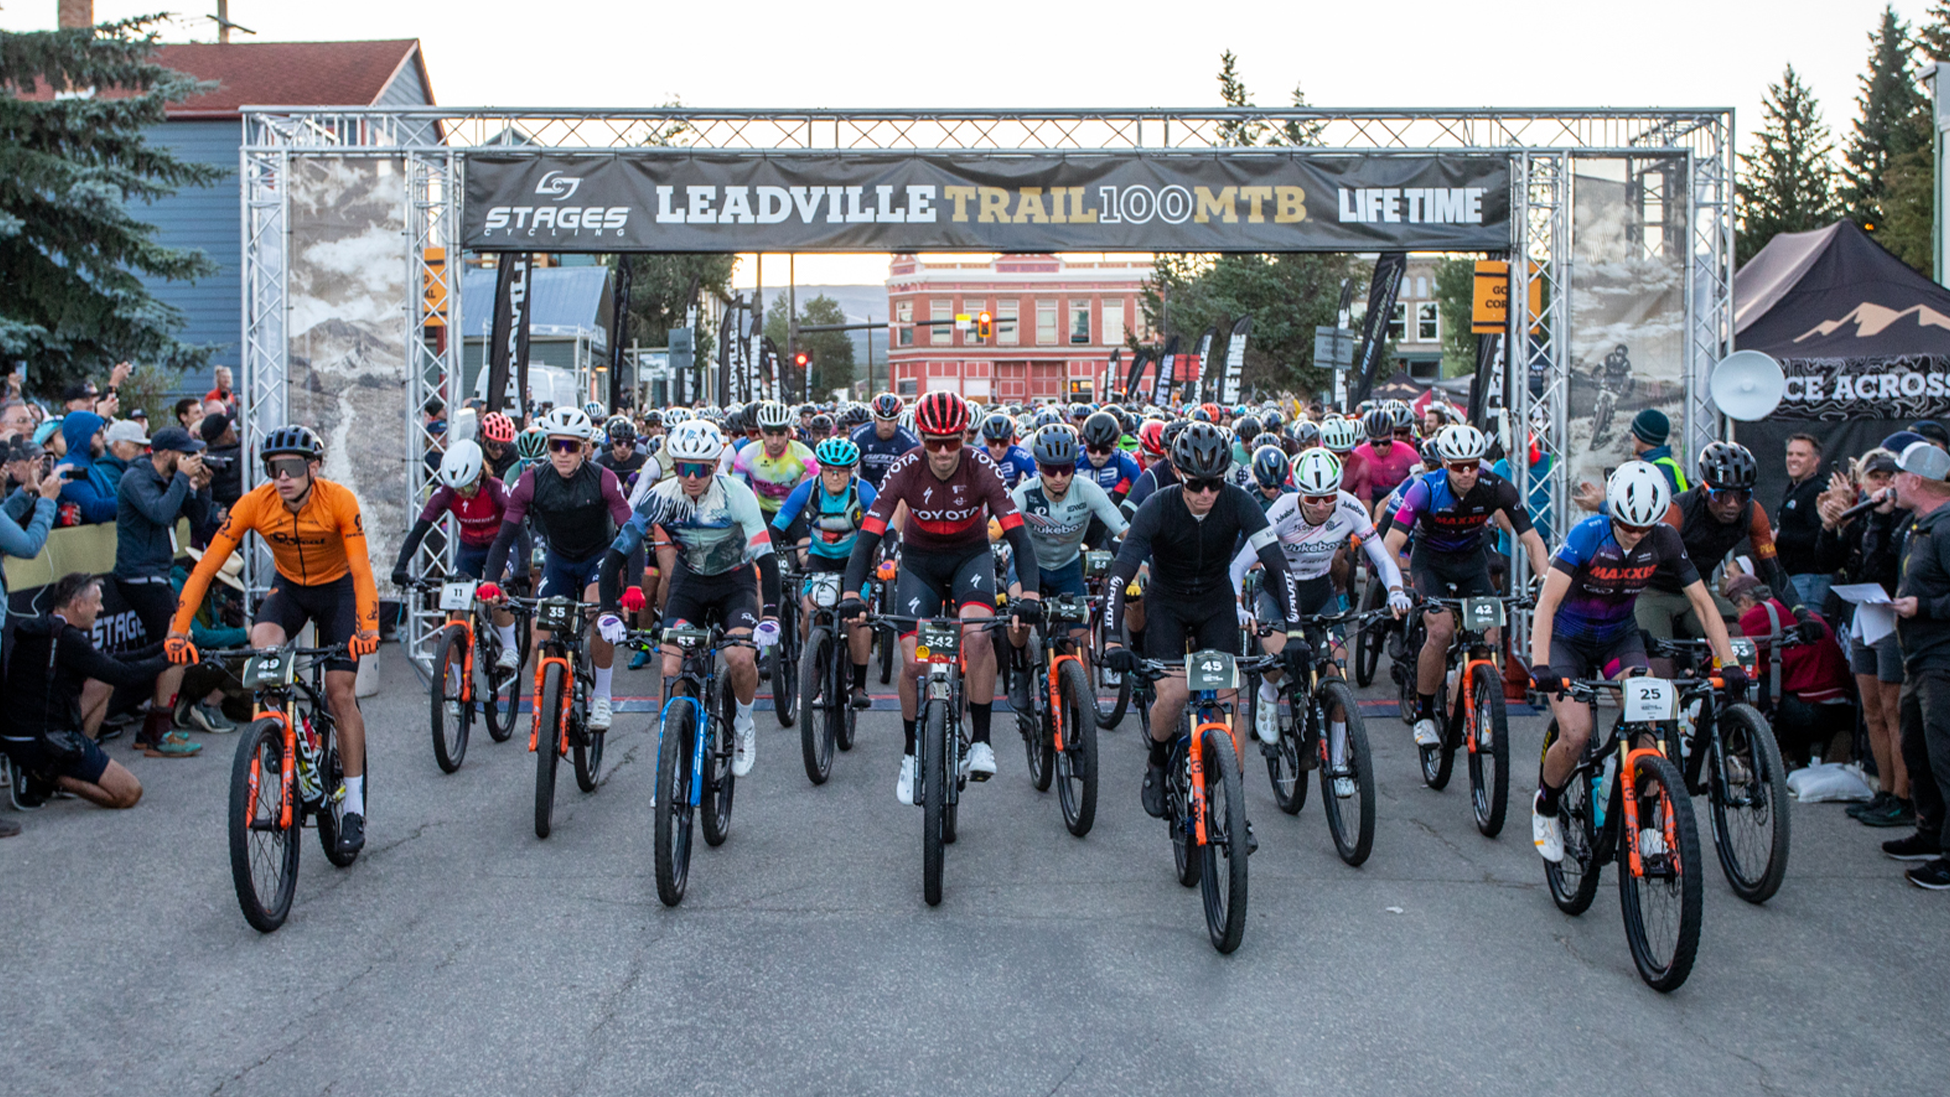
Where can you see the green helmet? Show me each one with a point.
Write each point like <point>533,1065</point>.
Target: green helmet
<point>530,445</point>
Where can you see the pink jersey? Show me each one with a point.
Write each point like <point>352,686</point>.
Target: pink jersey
<point>1386,471</point>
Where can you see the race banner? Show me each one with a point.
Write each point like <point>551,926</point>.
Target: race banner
<point>508,335</point>
<point>1195,372</point>
<point>1386,284</point>
<point>726,201</point>
<point>1235,360</point>
<point>1161,394</point>
<point>619,310</point>
<point>1110,372</point>
<point>1908,387</point>
<point>1138,362</point>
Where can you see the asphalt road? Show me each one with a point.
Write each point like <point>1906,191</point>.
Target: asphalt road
<point>461,955</point>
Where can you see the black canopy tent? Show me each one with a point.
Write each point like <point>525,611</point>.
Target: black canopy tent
<point>1863,339</point>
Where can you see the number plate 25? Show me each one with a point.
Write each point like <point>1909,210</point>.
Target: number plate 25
<point>1479,614</point>
<point>1210,670</point>
<point>1649,700</point>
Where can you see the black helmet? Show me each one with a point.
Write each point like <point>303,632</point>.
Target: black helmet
<point>653,418</point>
<point>294,439</point>
<point>1265,438</point>
<point>1727,465</point>
<point>998,427</point>
<point>1269,466</point>
<point>1379,423</point>
<point>1247,426</point>
<point>822,423</point>
<point>1102,430</point>
<point>854,415</point>
<point>1430,455</point>
<point>1273,420</point>
<point>1055,444</point>
<point>1201,451</point>
<point>1079,412</point>
<point>1306,433</point>
<point>1173,429</point>
<point>1200,415</point>
<point>807,409</point>
<point>734,421</point>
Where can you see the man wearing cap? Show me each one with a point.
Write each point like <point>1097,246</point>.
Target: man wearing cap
<point>1932,432</point>
<point>80,396</point>
<point>168,485</point>
<point>226,470</point>
<point>125,441</point>
<point>1922,606</point>
<point>1650,429</point>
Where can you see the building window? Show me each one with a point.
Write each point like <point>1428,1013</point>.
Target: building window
<point>1005,322</point>
<point>904,324</point>
<point>1046,323</point>
<point>943,333</point>
<point>1113,323</point>
<point>972,307</point>
<point>906,386</point>
<point>1398,323</point>
<point>1428,328</point>
<point>1080,322</point>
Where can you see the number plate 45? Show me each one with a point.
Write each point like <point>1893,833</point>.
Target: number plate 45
<point>1650,700</point>
<point>1210,670</point>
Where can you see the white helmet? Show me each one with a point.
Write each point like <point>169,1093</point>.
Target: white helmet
<point>1317,472</point>
<point>594,409</point>
<point>1637,493</point>
<point>1340,435</point>
<point>567,423</point>
<point>1461,442</point>
<point>675,416</point>
<point>773,414</point>
<point>461,465</point>
<point>693,440</point>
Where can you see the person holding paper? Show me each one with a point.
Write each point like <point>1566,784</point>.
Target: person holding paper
<point>1922,607</point>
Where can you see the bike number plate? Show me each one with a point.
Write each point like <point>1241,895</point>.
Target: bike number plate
<point>555,614</point>
<point>1650,700</point>
<point>685,636</point>
<point>937,641</point>
<point>457,596</point>
<point>824,590</point>
<point>1744,650</point>
<point>272,671</point>
<point>1479,614</point>
<point>1096,563</point>
<point>1210,670</point>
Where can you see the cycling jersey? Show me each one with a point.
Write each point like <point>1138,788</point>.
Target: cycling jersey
<point>1159,475</point>
<point>1189,555</point>
<point>773,478</point>
<point>1356,477</point>
<point>714,533</point>
<point>878,454</point>
<point>946,517</point>
<point>1387,471</point>
<point>832,521</point>
<point>1116,477</point>
<point>1606,579</point>
<point>1015,465</point>
<point>625,469</point>
<point>1708,540</point>
<point>573,513</point>
<point>1310,549</point>
<point>479,517</point>
<point>1057,527</point>
<point>1266,501</point>
<point>323,541</point>
<point>1445,524</point>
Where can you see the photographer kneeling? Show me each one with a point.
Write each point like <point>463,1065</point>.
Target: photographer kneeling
<point>41,725</point>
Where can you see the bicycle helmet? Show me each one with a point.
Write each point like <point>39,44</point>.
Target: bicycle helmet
<point>941,414</point>
<point>1461,442</point>
<point>1269,467</point>
<point>292,439</point>
<point>1401,413</point>
<point>1201,451</point>
<point>531,444</point>
<point>1637,493</point>
<point>1430,457</point>
<point>567,423</point>
<point>653,418</point>
<point>1151,437</point>
<point>461,465</point>
<point>1265,438</point>
<point>1379,423</point>
<point>822,423</point>
<point>1317,472</point>
<point>619,430</point>
<point>695,440</point>
<point>837,452</point>
<point>772,416</point>
<point>1340,435</point>
<point>1047,415</point>
<point>1247,427</point>
<point>886,406</point>
<point>734,421</point>
<point>1102,430</point>
<point>595,410</point>
<point>998,427</point>
<point>1727,465</point>
<point>496,427</point>
<point>854,415</point>
<point>1055,444</point>
<point>1306,433</point>
<point>806,410</point>
<point>1202,415</point>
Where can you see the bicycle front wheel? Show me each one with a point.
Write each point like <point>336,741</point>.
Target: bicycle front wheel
<point>1286,763</point>
<point>934,799</point>
<point>1489,753</point>
<point>263,848</point>
<point>1661,901</point>
<point>1368,640</point>
<point>1076,766</point>
<point>1347,782</point>
<point>1110,712</point>
<point>1439,761</point>
<point>1038,732</point>
<point>588,754</point>
<point>676,746</point>
<point>1223,856</point>
<point>785,671</point>
<point>816,729</point>
<point>551,709</point>
<point>1750,818</point>
<point>451,713</point>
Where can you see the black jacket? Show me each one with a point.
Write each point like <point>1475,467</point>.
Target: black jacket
<point>1799,527</point>
<point>49,662</point>
<point>1926,577</point>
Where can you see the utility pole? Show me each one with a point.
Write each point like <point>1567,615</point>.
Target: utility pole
<point>792,313</point>
<point>870,352</point>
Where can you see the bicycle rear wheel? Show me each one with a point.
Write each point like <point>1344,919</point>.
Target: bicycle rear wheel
<point>719,784</point>
<point>1662,907</point>
<point>1750,817</point>
<point>1368,640</point>
<point>1178,814</point>
<point>588,756</point>
<point>1285,765</point>
<point>1350,819</point>
<point>784,658</point>
<point>1076,766</point>
<point>1120,699</point>
<point>1439,761</point>
<point>816,709</point>
<point>333,809</point>
<point>446,688</point>
<point>551,708</point>
<point>1038,732</point>
<point>1489,759</point>
<point>676,746</point>
<point>934,798</point>
<point>263,850</point>
<point>1223,870</point>
<point>1574,880</point>
<point>887,640</point>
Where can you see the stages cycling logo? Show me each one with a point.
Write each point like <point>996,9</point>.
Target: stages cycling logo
<point>557,185</point>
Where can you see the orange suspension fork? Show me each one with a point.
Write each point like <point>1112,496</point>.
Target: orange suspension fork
<point>562,717</point>
<point>1055,699</point>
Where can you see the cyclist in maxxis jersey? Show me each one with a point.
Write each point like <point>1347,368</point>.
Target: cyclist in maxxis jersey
<point>1188,532</point>
<point>1449,513</point>
<point>950,492</point>
<point>999,437</point>
<point>477,502</point>
<point>574,502</point>
<point>1057,508</point>
<point>1313,525</point>
<point>883,441</point>
<point>1101,461</point>
<point>826,513</point>
<point>1584,621</point>
<point>318,543</point>
<point>717,539</point>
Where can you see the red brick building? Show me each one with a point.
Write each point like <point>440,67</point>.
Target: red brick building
<point>1056,322</point>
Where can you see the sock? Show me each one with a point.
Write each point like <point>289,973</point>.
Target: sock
<point>1157,757</point>
<point>355,795</point>
<point>907,730</point>
<point>1337,742</point>
<point>1547,800</point>
<point>156,724</point>
<point>1268,692</point>
<point>1425,706</point>
<point>506,633</point>
<point>744,717</point>
<point>981,714</point>
<point>602,681</point>
<point>859,676</point>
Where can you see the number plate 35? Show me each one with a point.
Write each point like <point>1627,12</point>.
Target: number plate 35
<point>1210,670</point>
<point>555,614</point>
<point>1650,700</point>
<point>1479,614</point>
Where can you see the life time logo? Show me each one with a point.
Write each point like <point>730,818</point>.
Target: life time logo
<point>1412,205</point>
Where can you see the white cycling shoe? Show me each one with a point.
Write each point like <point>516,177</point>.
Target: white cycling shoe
<point>904,788</point>
<point>1266,720</point>
<point>1547,834</point>
<point>600,714</point>
<point>744,748</point>
<point>509,660</point>
<point>980,762</point>
<point>1425,733</point>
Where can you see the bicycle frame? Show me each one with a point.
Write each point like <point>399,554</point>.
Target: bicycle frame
<point>1063,645</point>
<point>702,683</point>
<point>1620,740</point>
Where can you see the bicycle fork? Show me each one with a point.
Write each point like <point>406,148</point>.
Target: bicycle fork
<point>562,714</point>
<point>1628,759</point>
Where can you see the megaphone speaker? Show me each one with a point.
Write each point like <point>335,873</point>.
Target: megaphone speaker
<point>1747,385</point>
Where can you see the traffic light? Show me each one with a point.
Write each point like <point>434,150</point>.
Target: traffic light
<point>802,361</point>
<point>984,326</point>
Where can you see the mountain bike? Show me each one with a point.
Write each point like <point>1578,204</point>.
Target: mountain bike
<point>694,746</point>
<point>1059,730</point>
<point>781,663</point>
<point>1306,741</point>
<point>1650,831</point>
<point>1205,798</point>
<point>1470,709</point>
<point>1371,640</point>
<point>468,640</point>
<point>827,717</point>
<point>880,591</point>
<point>287,771</point>
<point>1096,574</point>
<point>563,684</point>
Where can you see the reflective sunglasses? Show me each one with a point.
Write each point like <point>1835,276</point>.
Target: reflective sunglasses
<point>1211,483</point>
<point>950,444</point>
<point>1465,466</point>
<point>1057,470</point>
<point>1638,531</point>
<point>1102,451</point>
<point>1740,494</point>
<point>291,467</point>
<point>565,445</point>
<point>696,470</point>
<point>1318,500</point>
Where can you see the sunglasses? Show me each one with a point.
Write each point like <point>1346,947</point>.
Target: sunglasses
<point>289,467</point>
<point>1740,494</point>
<point>1102,451</point>
<point>696,470</point>
<point>951,444</point>
<point>1637,531</point>
<point>1204,485</point>
<point>1318,500</point>
<point>1057,470</point>
<point>1465,466</point>
<point>565,445</point>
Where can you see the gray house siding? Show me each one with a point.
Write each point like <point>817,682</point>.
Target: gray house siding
<point>205,218</point>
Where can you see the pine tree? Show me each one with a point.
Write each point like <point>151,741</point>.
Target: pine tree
<point>1232,91</point>
<point>72,166</point>
<point>1933,35</point>
<point>1295,132</point>
<point>1894,121</point>
<point>1788,184</point>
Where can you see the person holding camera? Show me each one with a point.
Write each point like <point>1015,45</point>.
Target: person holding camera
<point>158,490</point>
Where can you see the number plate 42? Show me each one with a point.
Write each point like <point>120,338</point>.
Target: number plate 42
<point>1650,700</point>
<point>1479,614</point>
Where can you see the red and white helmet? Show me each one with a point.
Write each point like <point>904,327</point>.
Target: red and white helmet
<point>941,414</point>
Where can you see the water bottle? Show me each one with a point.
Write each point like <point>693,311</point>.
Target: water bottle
<point>1688,720</point>
<point>310,786</point>
<point>1601,790</point>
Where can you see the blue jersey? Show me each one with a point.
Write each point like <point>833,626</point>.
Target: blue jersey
<point>1015,464</point>
<point>1117,476</point>
<point>832,521</point>
<point>877,454</point>
<point>1606,579</point>
<point>1444,523</point>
